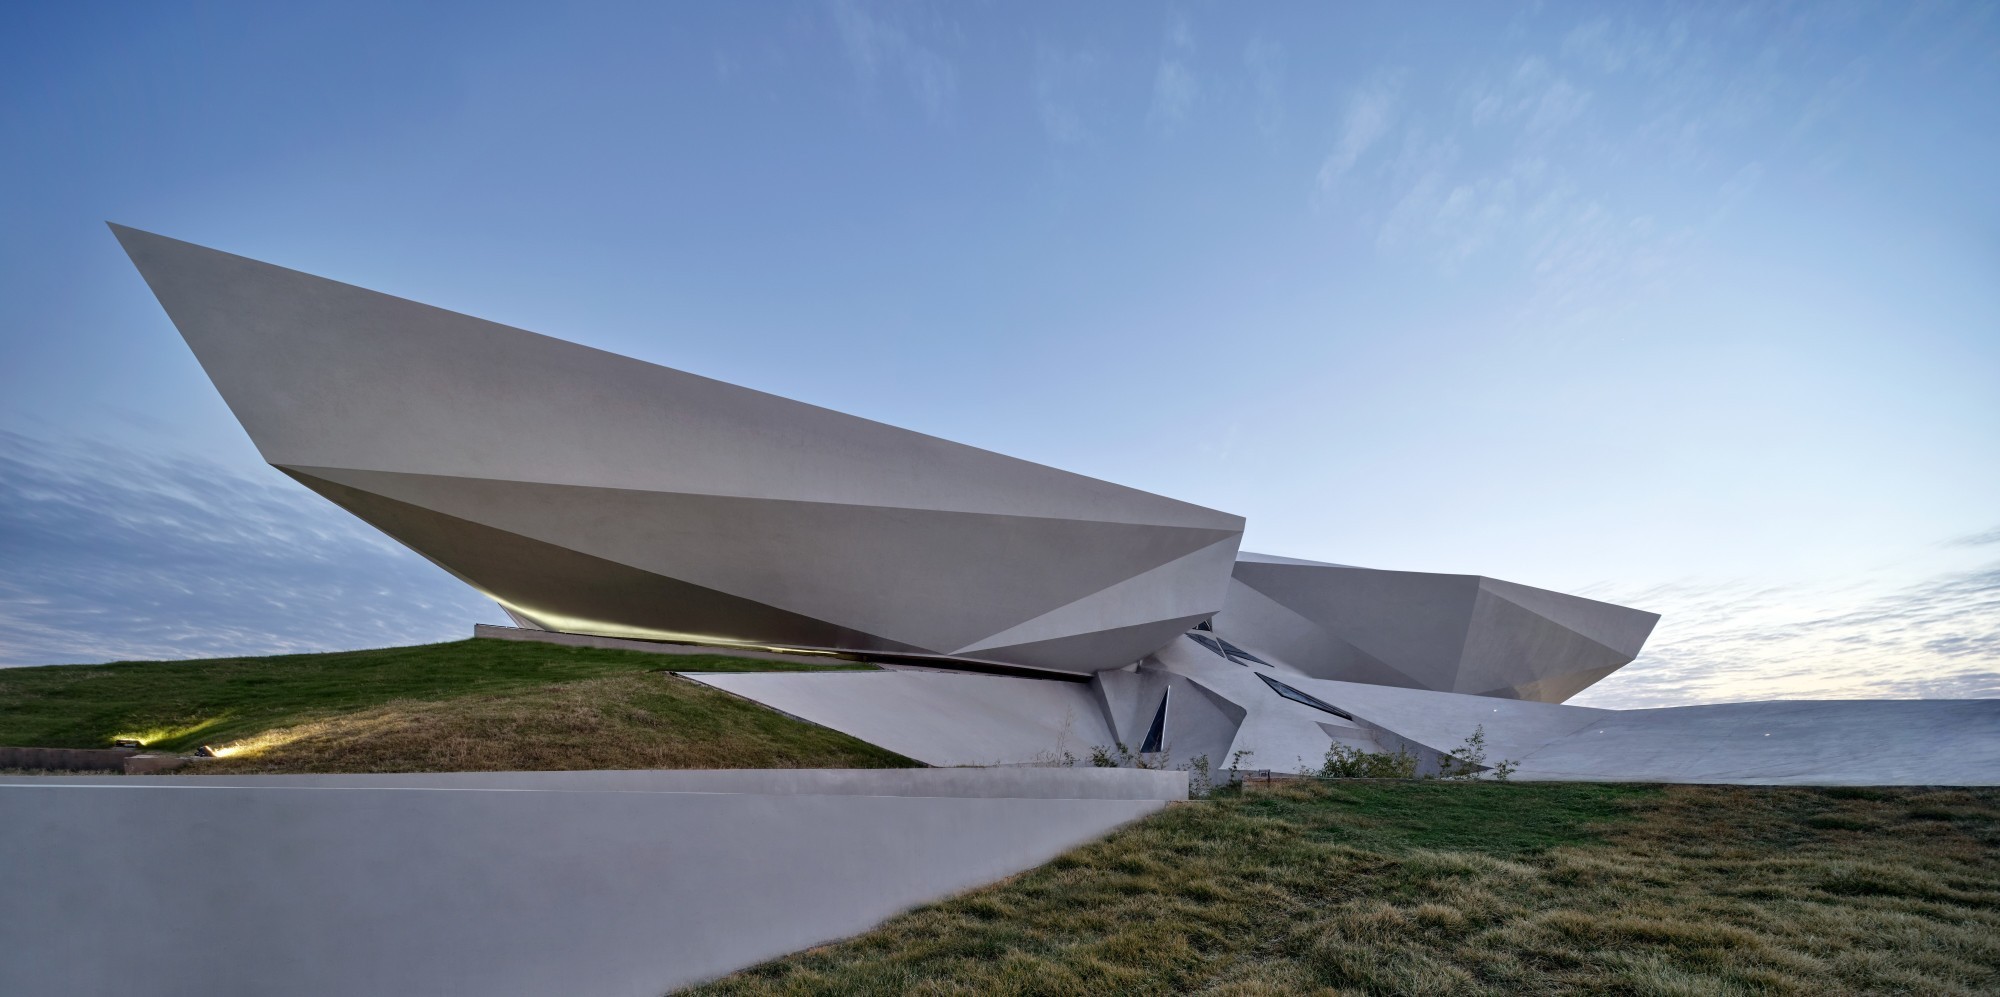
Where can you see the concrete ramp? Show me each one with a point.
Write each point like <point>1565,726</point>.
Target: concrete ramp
<point>498,884</point>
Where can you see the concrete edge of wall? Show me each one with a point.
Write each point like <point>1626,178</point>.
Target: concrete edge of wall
<point>334,888</point>
<point>1050,783</point>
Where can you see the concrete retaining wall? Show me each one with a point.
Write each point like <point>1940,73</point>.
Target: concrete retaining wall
<point>543,883</point>
<point>1916,742</point>
<point>66,759</point>
<point>87,760</point>
<point>973,783</point>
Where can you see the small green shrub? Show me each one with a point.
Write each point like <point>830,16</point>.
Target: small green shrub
<point>1343,762</point>
<point>1200,781</point>
<point>1469,761</point>
<point>1117,756</point>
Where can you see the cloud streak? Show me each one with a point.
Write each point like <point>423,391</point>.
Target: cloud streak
<point>1264,61</point>
<point>878,46</point>
<point>1175,88</point>
<point>1369,113</point>
<point>1564,154</point>
<point>109,553</point>
<point>1061,77</point>
<point>1985,539</point>
<point>1938,638</point>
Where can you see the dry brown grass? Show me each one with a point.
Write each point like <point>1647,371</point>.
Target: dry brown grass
<point>627,721</point>
<point>1473,889</point>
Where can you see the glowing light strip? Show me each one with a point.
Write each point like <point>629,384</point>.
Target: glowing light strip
<point>564,623</point>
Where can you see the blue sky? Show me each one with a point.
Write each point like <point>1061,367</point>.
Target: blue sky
<point>1696,308</point>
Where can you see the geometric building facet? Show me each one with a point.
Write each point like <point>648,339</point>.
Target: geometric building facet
<point>594,493</point>
<point>591,493</point>
<point>1447,633</point>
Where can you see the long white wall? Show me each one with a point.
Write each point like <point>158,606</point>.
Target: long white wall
<point>532,885</point>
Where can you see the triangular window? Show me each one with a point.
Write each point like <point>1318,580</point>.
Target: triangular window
<point>1156,735</point>
<point>1298,697</point>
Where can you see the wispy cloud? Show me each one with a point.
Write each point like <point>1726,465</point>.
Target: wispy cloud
<point>1175,88</point>
<point>884,42</point>
<point>1451,207</point>
<point>1550,101</point>
<point>1367,117</point>
<point>112,553</point>
<point>1061,81</point>
<point>1987,538</point>
<point>1174,92</point>
<point>1597,159</point>
<point>1732,642</point>
<point>1264,60</point>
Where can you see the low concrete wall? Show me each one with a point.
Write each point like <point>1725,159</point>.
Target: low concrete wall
<point>66,759</point>
<point>1916,742</point>
<point>127,760</point>
<point>971,783</point>
<point>341,887</point>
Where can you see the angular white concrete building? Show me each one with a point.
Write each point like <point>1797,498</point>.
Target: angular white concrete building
<point>1418,630</point>
<point>1022,616</point>
<point>1205,697</point>
<point>594,494</point>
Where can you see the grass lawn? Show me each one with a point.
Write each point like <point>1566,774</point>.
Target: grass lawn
<point>1482,888</point>
<point>463,706</point>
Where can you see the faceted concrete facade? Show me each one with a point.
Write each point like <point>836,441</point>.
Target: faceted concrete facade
<point>593,493</point>
<point>1448,633</point>
<point>603,500</point>
<point>589,493</point>
<point>598,497</point>
<point>1218,703</point>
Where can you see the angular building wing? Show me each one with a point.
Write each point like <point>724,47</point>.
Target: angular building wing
<point>594,493</point>
<point>1419,630</point>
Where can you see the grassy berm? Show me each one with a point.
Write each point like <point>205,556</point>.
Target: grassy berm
<point>470,705</point>
<point>1484,888</point>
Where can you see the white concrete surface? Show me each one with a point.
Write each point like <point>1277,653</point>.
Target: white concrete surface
<point>190,886</point>
<point>1816,742</point>
<point>1422,630</point>
<point>1809,742</point>
<point>1442,721</point>
<point>594,493</point>
<point>968,783</point>
<point>1222,707</point>
<point>938,718</point>
<point>1276,733</point>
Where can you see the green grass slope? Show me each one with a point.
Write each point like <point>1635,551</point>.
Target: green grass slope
<point>1482,888</point>
<point>465,705</point>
